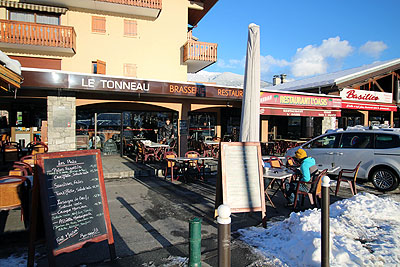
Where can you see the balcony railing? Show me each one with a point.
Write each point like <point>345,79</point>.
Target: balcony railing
<point>26,33</point>
<point>194,50</point>
<point>141,3</point>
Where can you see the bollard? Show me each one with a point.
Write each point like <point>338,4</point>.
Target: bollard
<point>325,222</point>
<point>195,242</point>
<point>224,236</point>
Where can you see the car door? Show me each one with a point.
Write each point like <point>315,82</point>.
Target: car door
<point>322,149</point>
<point>353,148</point>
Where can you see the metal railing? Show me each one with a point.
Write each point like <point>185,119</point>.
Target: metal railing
<point>194,50</point>
<point>27,33</point>
<point>140,3</point>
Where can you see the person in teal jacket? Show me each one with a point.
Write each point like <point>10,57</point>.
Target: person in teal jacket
<point>305,175</point>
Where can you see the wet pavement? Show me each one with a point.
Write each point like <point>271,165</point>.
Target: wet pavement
<point>150,219</point>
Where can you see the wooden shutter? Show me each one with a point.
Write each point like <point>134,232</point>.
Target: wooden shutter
<point>130,70</point>
<point>101,67</point>
<point>130,28</point>
<point>98,24</point>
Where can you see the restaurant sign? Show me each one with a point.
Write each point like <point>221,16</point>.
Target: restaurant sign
<point>366,96</point>
<point>98,83</point>
<point>269,98</point>
<point>299,112</point>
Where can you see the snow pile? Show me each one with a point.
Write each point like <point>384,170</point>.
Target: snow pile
<point>365,231</point>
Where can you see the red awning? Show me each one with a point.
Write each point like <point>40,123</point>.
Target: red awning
<point>303,112</point>
<point>368,106</point>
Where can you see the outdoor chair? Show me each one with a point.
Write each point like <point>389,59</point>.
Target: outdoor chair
<point>29,159</point>
<point>24,167</point>
<point>13,194</point>
<point>316,176</point>
<point>193,164</point>
<point>37,147</point>
<point>171,165</point>
<point>275,162</point>
<point>350,180</point>
<point>291,163</point>
<point>11,151</point>
<point>145,153</point>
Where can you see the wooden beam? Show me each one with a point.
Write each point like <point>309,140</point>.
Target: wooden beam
<point>377,84</point>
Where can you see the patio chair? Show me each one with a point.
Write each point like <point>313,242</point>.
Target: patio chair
<point>275,162</point>
<point>350,180</point>
<point>11,151</point>
<point>145,153</point>
<point>37,147</point>
<point>291,163</point>
<point>24,168</point>
<point>312,193</point>
<point>29,159</point>
<point>172,166</point>
<point>12,194</point>
<point>193,164</point>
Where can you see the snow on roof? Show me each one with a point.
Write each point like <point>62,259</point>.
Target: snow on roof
<point>333,78</point>
<point>11,64</point>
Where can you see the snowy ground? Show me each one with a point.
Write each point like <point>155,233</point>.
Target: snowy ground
<point>365,231</point>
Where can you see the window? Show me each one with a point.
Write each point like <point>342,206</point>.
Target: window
<point>130,70</point>
<point>356,140</point>
<point>327,141</point>
<point>383,141</point>
<point>98,24</point>
<point>130,28</point>
<point>34,17</point>
<point>99,67</point>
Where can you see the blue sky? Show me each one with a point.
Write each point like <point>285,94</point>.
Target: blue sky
<point>303,38</point>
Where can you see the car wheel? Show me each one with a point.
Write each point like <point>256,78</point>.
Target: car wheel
<point>385,180</point>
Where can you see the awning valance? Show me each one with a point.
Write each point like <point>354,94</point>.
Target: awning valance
<point>51,9</point>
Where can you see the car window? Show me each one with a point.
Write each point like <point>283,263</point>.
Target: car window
<point>356,140</point>
<point>327,141</point>
<point>383,141</point>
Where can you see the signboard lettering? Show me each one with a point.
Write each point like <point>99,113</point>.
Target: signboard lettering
<point>365,96</point>
<point>269,98</point>
<point>74,201</point>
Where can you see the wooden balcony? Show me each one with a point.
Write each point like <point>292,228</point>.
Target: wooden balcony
<point>198,55</point>
<point>144,8</point>
<point>17,36</point>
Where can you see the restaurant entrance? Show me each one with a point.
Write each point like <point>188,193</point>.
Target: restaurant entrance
<point>115,131</point>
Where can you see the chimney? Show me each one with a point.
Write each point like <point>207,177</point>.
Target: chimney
<point>283,78</point>
<point>276,80</point>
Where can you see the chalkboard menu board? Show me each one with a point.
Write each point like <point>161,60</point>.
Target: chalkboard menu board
<point>241,181</point>
<point>73,199</point>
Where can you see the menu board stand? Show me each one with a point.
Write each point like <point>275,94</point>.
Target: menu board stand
<point>240,182</point>
<point>70,186</point>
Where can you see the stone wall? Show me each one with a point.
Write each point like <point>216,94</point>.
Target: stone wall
<point>61,114</point>
<point>328,123</point>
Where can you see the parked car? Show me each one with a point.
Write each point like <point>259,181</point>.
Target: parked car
<point>377,149</point>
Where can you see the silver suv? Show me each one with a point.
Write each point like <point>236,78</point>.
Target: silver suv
<point>377,149</point>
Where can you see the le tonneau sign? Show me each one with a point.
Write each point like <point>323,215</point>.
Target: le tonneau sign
<point>366,96</point>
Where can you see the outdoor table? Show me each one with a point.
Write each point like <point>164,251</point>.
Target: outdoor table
<point>210,142</point>
<point>185,161</point>
<point>159,149</point>
<point>279,175</point>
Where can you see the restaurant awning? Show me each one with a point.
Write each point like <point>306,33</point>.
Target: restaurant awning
<point>292,104</point>
<point>299,112</point>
